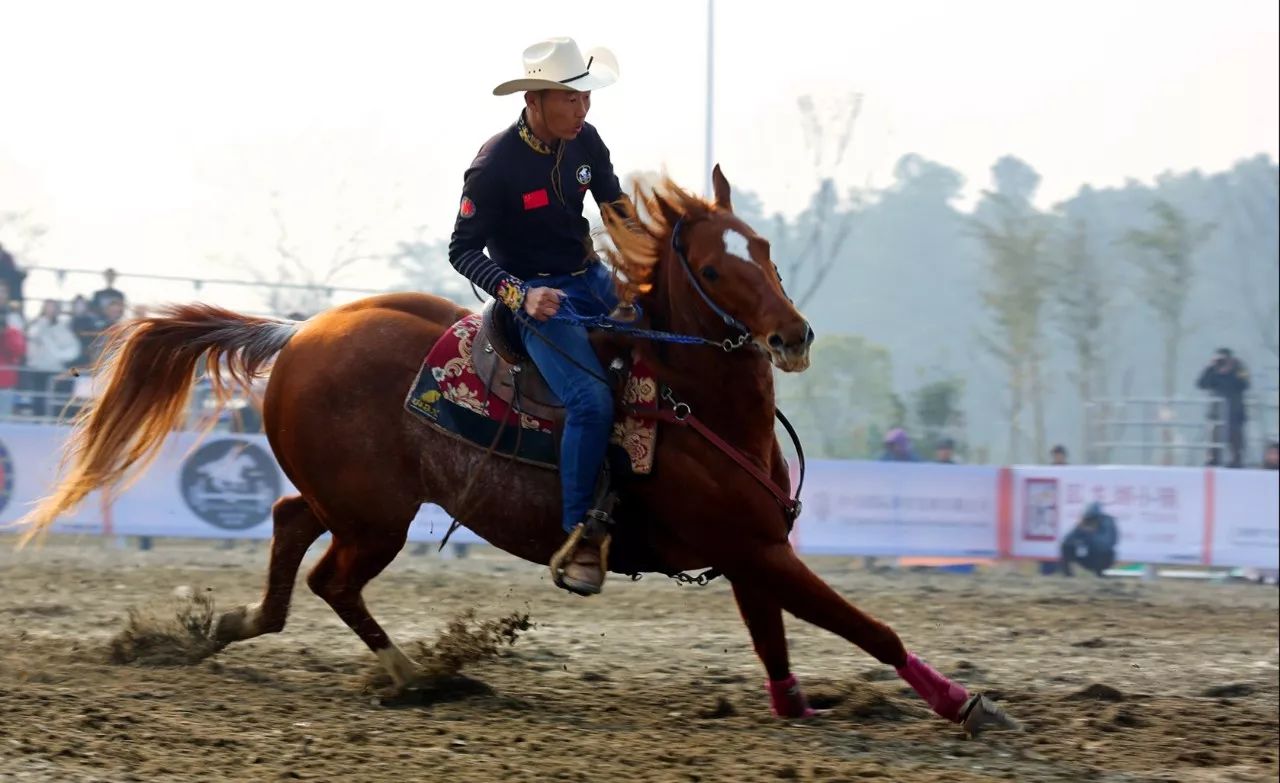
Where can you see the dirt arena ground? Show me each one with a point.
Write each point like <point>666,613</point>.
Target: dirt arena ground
<point>1169,681</point>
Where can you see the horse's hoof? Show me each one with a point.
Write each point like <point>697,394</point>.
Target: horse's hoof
<point>981,714</point>
<point>230,627</point>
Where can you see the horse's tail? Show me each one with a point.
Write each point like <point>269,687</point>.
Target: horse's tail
<point>145,375</point>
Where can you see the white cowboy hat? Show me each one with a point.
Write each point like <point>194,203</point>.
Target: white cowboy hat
<point>557,64</point>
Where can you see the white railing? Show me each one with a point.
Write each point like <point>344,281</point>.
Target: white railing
<point>56,398</point>
<point>1173,430</point>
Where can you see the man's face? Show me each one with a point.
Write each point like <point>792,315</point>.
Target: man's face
<point>1272,457</point>
<point>559,113</point>
<point>1058,458</point>
<point>113,310</point>
<point>943,454</point>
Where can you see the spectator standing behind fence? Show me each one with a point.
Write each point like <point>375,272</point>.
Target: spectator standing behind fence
<point>11,275</point>
<point>944,451</point>
<point>86,323</point>
<point>112,312</point>
<point>1092,543</point>
<point>897,447</point>
<point>13,346</point>
<point>1271,457</point>
<point>109,292</point>
<point>1227,378</point>
<point>51,348</point>
<point>1058,455</point>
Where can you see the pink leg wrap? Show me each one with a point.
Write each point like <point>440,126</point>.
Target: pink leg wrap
<point>786,700</point>
<point>944,696</point>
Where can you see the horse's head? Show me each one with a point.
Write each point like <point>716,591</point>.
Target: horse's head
<point>701,264</point>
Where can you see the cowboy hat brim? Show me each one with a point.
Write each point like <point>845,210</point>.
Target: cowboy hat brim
<point>602,72</point>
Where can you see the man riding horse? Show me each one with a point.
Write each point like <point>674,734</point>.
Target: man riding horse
<point>522,200</point>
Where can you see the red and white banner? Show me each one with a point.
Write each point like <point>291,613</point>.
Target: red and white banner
<point>1160,511</point>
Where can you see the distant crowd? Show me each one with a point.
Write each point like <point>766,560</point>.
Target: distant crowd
<point>38,352</point>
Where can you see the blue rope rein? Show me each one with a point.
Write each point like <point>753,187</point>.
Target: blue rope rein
<point>569,315</point>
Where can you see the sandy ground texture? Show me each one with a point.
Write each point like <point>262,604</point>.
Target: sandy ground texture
<point>1169,681</point>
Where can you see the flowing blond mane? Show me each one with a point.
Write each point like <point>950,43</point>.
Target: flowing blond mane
<point>640,228</point>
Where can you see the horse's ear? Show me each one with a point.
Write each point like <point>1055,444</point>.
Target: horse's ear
<point>720,186</point>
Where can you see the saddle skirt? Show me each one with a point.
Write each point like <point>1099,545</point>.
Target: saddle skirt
<point>477,384</point>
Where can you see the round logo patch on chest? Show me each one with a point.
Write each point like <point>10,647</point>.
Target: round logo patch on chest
<point>584,174</point>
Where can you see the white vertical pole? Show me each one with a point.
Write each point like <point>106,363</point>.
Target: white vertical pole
<point>711,39</point>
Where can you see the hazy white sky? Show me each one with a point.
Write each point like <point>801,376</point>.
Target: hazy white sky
<point>150,136</point>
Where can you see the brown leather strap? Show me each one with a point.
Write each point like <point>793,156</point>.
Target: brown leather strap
<point>689,420</point>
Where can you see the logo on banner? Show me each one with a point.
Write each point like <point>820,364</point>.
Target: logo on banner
<point>1040,512</point>
<point>231,484</point>
<point>6,476</point>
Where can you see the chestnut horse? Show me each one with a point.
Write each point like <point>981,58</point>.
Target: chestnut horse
<point>334,415</point>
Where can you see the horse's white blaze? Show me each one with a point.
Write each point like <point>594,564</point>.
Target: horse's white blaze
<point>736,243</point>
<point>397,664</point>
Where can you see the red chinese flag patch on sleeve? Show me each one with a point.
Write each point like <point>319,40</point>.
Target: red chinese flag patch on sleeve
<point>468,208</point>
<point>536,199</point>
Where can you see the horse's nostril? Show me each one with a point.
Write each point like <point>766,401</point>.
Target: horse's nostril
<point>776,342</point>
<point>809,335</point>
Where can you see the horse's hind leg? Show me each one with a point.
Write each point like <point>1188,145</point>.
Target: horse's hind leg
<point>295,529</point>
<point>339,578</point>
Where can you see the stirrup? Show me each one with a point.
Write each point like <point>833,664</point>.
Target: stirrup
<point>594,530</point>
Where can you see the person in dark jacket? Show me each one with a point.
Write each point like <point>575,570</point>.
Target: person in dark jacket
<point>1271,456</point>
<point>522,201</point>
<point>1092,543</point>
<point>11,275</point>
<point>1226,378</point>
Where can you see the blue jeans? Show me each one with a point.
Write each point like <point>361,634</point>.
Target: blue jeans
<point>588,402</point>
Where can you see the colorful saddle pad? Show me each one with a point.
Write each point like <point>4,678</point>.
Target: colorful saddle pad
<point>452,397</point>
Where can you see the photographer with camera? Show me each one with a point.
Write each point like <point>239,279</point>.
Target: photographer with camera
<point>1227,378</point>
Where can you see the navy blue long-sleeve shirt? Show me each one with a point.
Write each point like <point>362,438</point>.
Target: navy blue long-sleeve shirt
<point>522,200</point>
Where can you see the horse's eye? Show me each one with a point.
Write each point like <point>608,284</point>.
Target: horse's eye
<point>710,273</point>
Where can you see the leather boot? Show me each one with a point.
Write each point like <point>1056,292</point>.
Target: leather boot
<point>581,564</point>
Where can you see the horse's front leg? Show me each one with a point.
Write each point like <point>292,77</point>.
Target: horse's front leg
<point>798,590</point>
<point>763,616</point>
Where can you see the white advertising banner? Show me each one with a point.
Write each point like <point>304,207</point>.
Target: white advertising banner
<point>887,508</point>
<point>1160,511</point>
<point>1246,518</point>
<point>223,487</point>
<point>29,455</point>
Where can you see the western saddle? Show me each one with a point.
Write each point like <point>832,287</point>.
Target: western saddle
<point>503,365</point>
